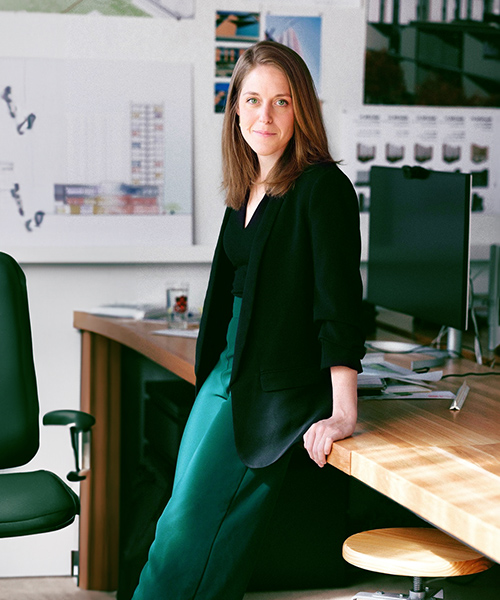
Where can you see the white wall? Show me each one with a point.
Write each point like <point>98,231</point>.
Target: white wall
<point>57,289</point>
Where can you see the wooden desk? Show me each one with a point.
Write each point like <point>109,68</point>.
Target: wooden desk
<point>101,396</point>
<point>442,465</point>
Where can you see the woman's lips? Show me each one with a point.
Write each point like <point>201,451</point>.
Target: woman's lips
<point>264,133</point>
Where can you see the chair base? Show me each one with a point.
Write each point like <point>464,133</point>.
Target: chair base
<point>425,594</point>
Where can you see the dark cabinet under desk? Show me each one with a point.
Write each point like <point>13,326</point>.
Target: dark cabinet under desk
<point>154,409</point>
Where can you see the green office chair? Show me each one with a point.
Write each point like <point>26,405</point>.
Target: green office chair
<point>36,501</point>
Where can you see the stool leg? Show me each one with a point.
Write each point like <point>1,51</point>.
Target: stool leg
<point>417,593</point>
<point>420,594</point>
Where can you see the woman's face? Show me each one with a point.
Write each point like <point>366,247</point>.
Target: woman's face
<point>266,113</point>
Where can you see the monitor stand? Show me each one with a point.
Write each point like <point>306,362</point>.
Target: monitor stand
<point>453,350</point>
<point>454,342</point>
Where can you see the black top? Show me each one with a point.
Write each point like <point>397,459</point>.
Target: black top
<point>238,241</point>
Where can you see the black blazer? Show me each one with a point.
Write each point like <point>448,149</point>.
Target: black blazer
<point>300,313</point>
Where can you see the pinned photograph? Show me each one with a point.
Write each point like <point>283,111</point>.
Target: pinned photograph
<point>302,34</point>
<point>237,26</point>
<point>225,60</point>
<point>220,96</point>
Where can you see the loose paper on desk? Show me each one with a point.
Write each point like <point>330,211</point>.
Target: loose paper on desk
<point>129,311</point>
<point>187,333</point>
<point>428,395</point>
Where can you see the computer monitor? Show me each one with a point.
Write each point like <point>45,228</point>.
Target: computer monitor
<point>494,298</point>
<point>419,243</point>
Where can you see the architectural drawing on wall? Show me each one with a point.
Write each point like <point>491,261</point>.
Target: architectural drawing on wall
<point>108,160</point>
<point>321,3</point>
<point>8,187</point>
<point>302,34</point>
<point>178,9</point>
<point>441,139</point>
<point>21,122</point>
<point>433,52</point>
<point>144,193</point>
<point>147,160</point>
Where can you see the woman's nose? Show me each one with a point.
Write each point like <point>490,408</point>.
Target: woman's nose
<point>265,114</point>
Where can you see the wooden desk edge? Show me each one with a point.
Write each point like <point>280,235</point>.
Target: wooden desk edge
<point>457,522</point>
<point>340,457</point>
<point>118,331</point>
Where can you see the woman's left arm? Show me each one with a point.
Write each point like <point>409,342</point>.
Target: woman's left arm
<point>319,438</point>
<point>336,246</point>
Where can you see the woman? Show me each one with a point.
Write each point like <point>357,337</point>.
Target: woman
<point>279,343</point>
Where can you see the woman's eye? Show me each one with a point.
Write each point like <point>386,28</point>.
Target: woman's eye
<point>252,101</point>
<point>282,102</point>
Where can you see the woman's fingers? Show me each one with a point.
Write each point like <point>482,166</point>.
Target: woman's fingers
<point>319,438</point>
<point>318,443</point>
<point>328,443</point>
<point>309,436</point>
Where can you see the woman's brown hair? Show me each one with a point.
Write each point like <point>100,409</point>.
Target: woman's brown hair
<point>308,145</point>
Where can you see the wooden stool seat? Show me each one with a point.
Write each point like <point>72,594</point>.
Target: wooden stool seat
<point>414,552</point>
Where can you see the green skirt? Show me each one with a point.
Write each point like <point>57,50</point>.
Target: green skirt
<point>208,535</point>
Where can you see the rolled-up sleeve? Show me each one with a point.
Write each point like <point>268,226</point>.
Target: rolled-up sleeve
<point>336,250</point>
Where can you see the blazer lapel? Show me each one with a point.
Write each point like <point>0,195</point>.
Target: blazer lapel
<point>258,246</point>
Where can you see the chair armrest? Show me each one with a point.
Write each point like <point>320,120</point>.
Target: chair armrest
<point>81,420</point>
<point>80,424</point>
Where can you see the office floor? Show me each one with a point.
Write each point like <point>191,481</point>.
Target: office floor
<point>485,585</point>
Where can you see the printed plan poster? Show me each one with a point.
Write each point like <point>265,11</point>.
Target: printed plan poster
<point>178,9</point>
<point>95,153</point>
<point>440,139</point>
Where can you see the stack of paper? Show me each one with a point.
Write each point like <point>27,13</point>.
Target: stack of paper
<point>397,382</point>
<point>130,311</point>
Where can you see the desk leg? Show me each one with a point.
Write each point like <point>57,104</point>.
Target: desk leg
<point>99,518</point>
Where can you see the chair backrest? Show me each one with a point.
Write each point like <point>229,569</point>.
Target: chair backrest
<point>19,410</point>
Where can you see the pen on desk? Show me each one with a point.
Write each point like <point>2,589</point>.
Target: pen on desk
<point>459,400</point>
